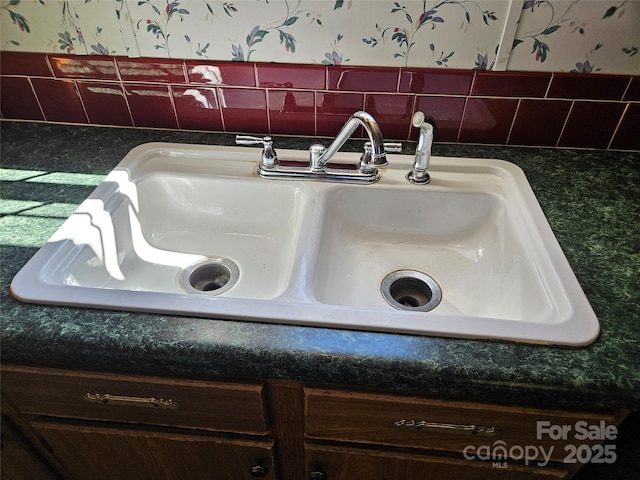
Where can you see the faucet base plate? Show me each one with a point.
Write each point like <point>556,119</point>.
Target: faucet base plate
<point>303,172</point>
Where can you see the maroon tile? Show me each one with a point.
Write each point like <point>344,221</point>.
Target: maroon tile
<point>105,103</point>
<point>197,108</point>
<point>291,76</point>
<point>98,68</point>
<point>291,112</point>
<point>150,105</point>
<point>363,79</point>
<point>446,111</point>
<point>627,137</point>
<point>18,63</point>
<point>233,74</point>
<point>588,86</point>
<point>244,110</point>
<point>18,101</point>
<point>392,112</point>
<point>511,84</point>
<point>452,82</point>
<point>60,100</point>
<point>147,70</point>
<point>333,109</point>
<point>487,120</point>
<point>633,92</point>
<point>539,122</point>
<point>591,124</point>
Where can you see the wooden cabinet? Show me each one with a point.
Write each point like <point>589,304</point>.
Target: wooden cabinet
<point>97,425</point>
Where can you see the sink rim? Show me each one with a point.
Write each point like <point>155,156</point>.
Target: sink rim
<point>296,305</point>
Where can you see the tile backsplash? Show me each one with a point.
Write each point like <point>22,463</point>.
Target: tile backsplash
<point>470,106</point>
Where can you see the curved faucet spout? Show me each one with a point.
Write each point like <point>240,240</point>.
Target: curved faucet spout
<point>378,156</point>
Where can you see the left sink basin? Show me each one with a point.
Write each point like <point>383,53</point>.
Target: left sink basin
<point>161,211</point>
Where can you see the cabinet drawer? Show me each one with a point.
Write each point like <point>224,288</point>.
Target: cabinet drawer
<point>215,406</point>
<point>444,425</point>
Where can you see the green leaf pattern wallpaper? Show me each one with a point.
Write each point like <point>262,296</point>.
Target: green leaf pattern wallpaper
<point>586,36</point>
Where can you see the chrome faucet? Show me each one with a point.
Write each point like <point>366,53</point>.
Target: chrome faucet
<point>427,126</point>
<point>318,168</point>
<point>319,156</point>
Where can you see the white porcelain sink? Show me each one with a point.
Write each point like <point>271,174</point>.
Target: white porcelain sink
<point>193,230</point>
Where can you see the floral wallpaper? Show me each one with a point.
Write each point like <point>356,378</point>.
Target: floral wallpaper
<point>578,36</point>
<point>70,26</point>
<point>586,36</point>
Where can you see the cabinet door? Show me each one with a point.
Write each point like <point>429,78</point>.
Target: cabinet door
<point>343,463</point>
<point>18,460</point>
<point>121,453</point>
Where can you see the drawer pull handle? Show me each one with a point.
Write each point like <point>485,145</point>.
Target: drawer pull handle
<point>150,402</point>
<point>447,427</point>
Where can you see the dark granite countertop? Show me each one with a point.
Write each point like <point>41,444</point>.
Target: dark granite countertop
<point>592,201</point>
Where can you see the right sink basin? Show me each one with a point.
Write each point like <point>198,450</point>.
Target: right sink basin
<point>472,247</point>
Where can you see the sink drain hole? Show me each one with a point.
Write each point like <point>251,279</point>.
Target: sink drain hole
<point>212,276</point>
<point>411,290</point>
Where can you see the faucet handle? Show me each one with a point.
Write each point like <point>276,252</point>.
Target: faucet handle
<point>388,146</point>
<point>251,140</point>
<point>366,158</point>
<point>392,147</point>
<point>269,156</point>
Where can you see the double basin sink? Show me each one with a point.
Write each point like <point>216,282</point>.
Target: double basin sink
<point>193,230</point>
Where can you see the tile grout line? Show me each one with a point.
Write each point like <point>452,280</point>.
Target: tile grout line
<point>79,94</point>
<point>513,121</point>
<point>33,90</point>
<point>564,125</point>
<point>620,120</point>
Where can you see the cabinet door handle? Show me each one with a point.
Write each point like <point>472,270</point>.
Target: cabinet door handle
<point>448,427</point>
<point>317,475</point>
<point>258,471</point>
<point>148,402</point>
